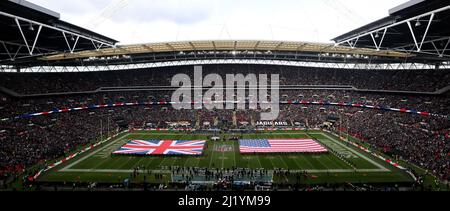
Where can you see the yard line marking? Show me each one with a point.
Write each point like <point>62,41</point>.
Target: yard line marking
<point>168,171</point>
<point>223,157</point>
<point>105,148</point>
<point>149,162</point>
<point>339,148</point>
<point>197,160</point>
<point>270,158</point>
<point>164,159</point>
<point>119,160</point>
<point>212,152</point>
<point>94,152</point>
<point>319,160</point>
<point>293,135</point>
<point>328,143</point>
<point>160,134</point>
<point>296,163</point>
<point>234,153</point>
<point>357,153</point>
<point>260,165</point>
<point>281,158</point>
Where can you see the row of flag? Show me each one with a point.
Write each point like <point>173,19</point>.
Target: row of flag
<point>302,102</point>
<point>195,147</point>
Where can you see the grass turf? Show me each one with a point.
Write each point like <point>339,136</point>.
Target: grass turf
<point>98,165</point>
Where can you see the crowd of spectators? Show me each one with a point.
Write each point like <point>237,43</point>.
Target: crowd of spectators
<point>421,140</point>
<point>411,80</point>
<point>11,107</point>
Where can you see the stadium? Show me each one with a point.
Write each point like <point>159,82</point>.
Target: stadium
<point>369,111</point>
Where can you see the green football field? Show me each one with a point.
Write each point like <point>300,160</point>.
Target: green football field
<point>354,165</point>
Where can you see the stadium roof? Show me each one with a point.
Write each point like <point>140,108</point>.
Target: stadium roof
<point>29,31</point>
<point>226,45</point>
<point>36,37</point>
<point>222,49</point>
<point>421,27</point>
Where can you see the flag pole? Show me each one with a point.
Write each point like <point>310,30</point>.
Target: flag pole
<point>101,129</point>
<point>340,124</point>
<point>348,129</point>
<point>108,126</point>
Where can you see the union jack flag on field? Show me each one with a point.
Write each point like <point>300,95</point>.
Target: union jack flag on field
<point>162,147</point>
<point>279,145</point>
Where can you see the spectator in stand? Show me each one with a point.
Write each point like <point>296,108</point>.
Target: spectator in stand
<point>417,139</point>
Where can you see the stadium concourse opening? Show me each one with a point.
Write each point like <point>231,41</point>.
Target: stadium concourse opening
<point>367,112</point>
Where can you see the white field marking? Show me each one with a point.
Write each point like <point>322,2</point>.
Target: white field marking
<point>104,153</point>
<point>270,159</point>
<point>302,157</point>
<point>212,153</point>
<point>193,160</point>
<point>197,159</point>
<point>113,171</point>
<point>94,152</point>
<point>260,165</point>
<point>164,159</point>
<point>66,168</point>
<point>118,160</point>
<point>178,134</point>
<point>175,160</point>
<point>168,171</point>
<point>114,146</point>
<point>141,159</point>
<point>296,163</point>
<point>234,154</point>
<point>323,164</point>
<point>148,164</point>
<point>307,161</point>
<point>357,153</point>
<point>223,156</point>
<point>348,164</point>
<point>101,155</point>
<point>333,145</point>
<point>281,158</point>
<point>158,134</point>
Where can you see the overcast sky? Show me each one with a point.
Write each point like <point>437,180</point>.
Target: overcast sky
<point>144,21</point>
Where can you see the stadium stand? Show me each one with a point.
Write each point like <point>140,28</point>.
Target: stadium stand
<point>29,142</point>
<point>391,132</point>
<point>406,80</point>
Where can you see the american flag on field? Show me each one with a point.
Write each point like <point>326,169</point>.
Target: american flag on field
<point>162,147</point>
<point>279,145</point>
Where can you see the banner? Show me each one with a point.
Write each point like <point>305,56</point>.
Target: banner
<point>302,102</point>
